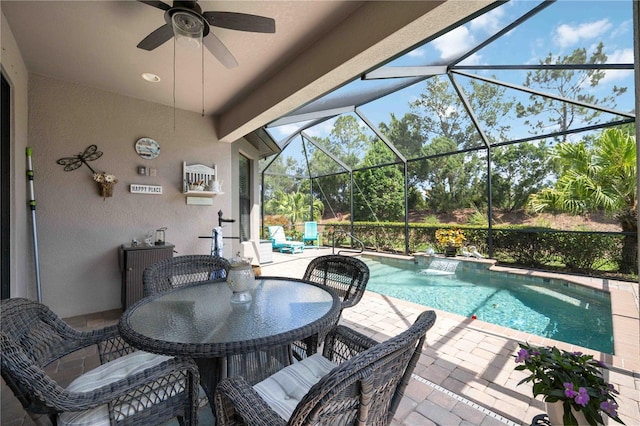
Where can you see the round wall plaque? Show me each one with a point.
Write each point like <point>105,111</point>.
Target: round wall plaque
<point>147,148</point>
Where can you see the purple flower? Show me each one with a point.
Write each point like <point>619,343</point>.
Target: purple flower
<point>601,364</point>
<point>582,398</point>
<point>610,408</point>
<point>577,353</point>
<point>568,390</point>
<point>523,355</point>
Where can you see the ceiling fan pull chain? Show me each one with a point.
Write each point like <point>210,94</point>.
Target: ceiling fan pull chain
<point>174,85</point>
<point>202,73</point>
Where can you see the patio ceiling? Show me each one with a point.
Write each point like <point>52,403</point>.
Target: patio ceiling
<point>318,46</point>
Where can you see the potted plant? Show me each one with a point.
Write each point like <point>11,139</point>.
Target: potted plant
<point>106,182</point>
<point>451,239</point>
<point>571,384</point>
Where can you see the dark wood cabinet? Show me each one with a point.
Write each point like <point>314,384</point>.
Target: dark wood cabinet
<point>133,261</point>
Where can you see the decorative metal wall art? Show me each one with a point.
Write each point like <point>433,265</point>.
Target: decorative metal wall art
<point>105,181</point>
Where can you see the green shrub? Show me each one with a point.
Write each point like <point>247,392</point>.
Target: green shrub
<point>573,251</point>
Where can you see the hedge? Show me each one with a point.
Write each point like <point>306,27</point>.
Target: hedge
<point>574,251</point>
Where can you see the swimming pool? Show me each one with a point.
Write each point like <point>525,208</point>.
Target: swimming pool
<point>544,307</point>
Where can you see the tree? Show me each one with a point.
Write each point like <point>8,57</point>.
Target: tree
<point>347,142</point>
<point>570,84</point>
<point>444,177</point>
<point>518,171</point>
<point>442,114</point>
<point>406,136</point>
<point>458,181</point>
<point>278,176</point>
<point>599,177</point>
<point>381,195</point>
<point>294,206</point>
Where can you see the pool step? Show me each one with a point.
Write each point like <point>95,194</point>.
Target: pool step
<point>374,266</point>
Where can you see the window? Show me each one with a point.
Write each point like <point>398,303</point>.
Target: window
<point>245,198</point>
<point>5,196</point>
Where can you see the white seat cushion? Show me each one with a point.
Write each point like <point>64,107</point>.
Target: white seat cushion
<point>107,373</point>
<point>284,389</point>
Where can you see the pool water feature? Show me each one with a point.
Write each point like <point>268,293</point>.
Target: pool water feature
<point>545,307</point>
<point>441,267</point>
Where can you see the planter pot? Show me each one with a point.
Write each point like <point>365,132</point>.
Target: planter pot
<point>450,251</point>
<point>106,189</point>
<point>555,411</point>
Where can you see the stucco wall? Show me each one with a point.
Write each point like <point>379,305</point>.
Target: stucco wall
<point>79,232</point>
<point>22,274</point>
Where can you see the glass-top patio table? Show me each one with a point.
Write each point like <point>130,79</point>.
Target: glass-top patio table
<point>224,338</point>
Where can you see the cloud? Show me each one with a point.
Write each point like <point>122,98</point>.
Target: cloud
<point>454,43</point>
<point>475,59</point>
<point>624,56</point>
<point>490,22</point>
<point>568,35</point>
<point>621,29</point>
<point>416,53</point>
<point>286,130</point>
<point>321,130</point>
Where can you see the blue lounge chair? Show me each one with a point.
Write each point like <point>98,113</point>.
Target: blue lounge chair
<point>280,242</point>
<point>311,234</point>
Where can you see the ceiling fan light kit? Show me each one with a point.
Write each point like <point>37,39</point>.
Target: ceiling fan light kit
<point>187,29</point>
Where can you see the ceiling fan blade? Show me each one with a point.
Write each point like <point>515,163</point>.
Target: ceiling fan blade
<point>241,22</point>
<point>157,37</point>
<point>220,51</point>
<point>156,3</point>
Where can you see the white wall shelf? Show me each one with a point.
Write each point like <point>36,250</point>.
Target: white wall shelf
<point>202,193</point>
<point>202,177</point>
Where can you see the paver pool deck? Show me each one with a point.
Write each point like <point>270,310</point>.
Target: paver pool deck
<point>466,373</point>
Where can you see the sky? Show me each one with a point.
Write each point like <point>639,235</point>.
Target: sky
<point>558,29</point>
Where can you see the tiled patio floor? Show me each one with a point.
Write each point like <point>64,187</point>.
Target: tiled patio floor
<point>465,375</point>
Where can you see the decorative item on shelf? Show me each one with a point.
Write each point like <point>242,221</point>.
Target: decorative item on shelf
<point>196,186</point>
<point>200,180</point>
<point>241,279</point>
<point>106,183</point>
<point>571,380</point>
<point>216,186</point>
<point>160,236</point>
<point>451,239</point>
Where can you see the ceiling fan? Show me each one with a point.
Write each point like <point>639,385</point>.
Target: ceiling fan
<point>186,19</point>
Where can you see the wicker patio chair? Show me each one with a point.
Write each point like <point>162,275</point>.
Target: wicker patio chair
<point>355,381</point>
<point>346,275</point>
<point>129,387</point>
<point>179,271</point>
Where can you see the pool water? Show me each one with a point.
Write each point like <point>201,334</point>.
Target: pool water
<point>541,307</point>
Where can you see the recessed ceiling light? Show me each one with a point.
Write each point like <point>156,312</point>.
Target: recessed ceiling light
<point>150,77</point>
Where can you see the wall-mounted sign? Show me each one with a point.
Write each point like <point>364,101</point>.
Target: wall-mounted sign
<point>147,148</point>
<point>136,188</point>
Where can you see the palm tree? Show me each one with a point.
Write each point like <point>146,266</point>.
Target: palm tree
<point>602,176</point>
<point>295,206</point>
